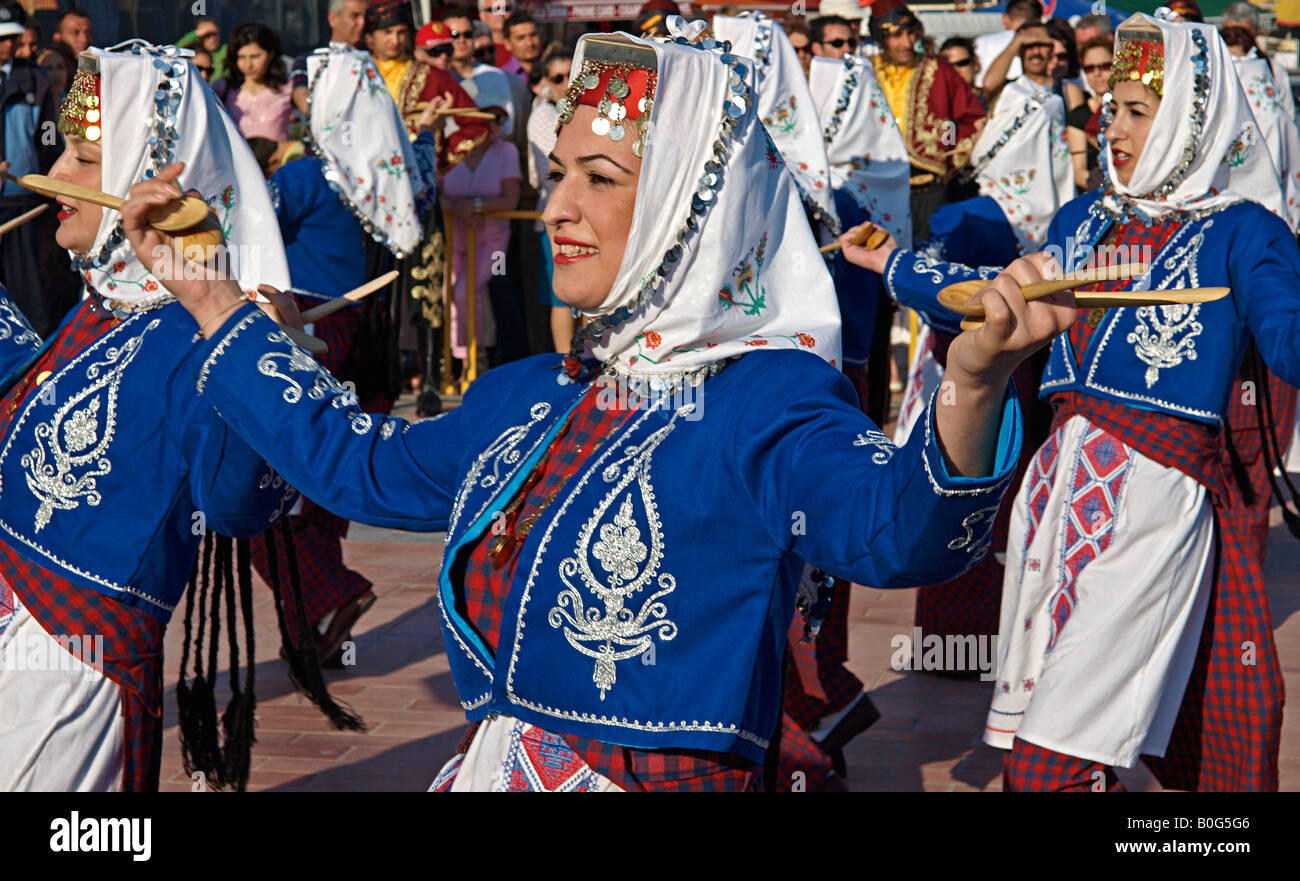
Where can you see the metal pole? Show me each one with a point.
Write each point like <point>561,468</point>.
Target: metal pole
<point>447,261</point>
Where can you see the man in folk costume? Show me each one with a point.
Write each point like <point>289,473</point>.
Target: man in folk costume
<point>824,704</point>
<point>416,305</point>
<point>1129,590</point>
<point>936,110</point>
<point>363,181</point>
<point>110,482</point>
<point>1022,167</point>
<point>577,628</point>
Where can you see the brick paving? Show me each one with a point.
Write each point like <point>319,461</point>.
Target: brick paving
<point>928,738</point>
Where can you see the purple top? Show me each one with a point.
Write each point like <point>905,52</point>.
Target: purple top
<point>264,115</point>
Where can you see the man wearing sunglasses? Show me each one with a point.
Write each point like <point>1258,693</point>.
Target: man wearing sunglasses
<point>433,45</point>
<point>1032,47</point>
<point>833,37</point>
<point>937,112</point>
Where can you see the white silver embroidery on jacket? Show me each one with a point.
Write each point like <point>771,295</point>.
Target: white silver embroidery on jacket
<point>501,450</point>
<point>977,549</point>
<point>323,382</point>
<point>13,324</point>
<point>1165,336</point>
<point>885,448</point>
<point>617,632</point>
<point>71,450</point>
<point>274,481</point>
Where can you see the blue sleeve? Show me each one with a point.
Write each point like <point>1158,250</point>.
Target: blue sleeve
<point>1264,274</point>
<point>426,158</point>
<point>18,342</point>
<point>832,488</point>
<point>366,467</point>
<point>915,280</point>
<point>292,186</point>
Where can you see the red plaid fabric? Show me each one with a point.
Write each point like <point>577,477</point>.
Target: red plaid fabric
<point>484,582</point>
<point>800,755</point>
<point>132,639</point>
<point>972,602</point>
<point>1028,767</point>
<point>1243,418</point>
<point>831,649</point>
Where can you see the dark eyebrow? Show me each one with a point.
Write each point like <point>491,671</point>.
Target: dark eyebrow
<point>586,160</point>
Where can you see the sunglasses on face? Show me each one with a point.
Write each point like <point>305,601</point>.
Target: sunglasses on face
<point>1063,57</point>
<point>438,51</point>
<point>559,79</point>
<point>836,44</point>
<point>206,71</point>
<point>1097,68</point>
<point>461,35</point>
<point>964,62</point>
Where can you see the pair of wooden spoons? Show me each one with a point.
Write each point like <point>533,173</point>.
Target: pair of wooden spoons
<point>870,236</point>
<point>957,297</point>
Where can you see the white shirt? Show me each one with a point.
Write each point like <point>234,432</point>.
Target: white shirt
<point>990,46</point>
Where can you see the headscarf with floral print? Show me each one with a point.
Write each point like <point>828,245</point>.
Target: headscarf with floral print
<point>1022,160</point>
<point>785,104</point>
<point>369,161</point>
<point>720,259</point>
<point>1276,127</point>
<point>156,109</point>
<point>863,143</point>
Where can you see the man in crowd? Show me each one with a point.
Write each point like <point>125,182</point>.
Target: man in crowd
<point>33,268</point>
<point>494,13</point>
<point>1243,15</point>
<point>989,46</point>
<point>347,20</point>
<point>74,30</point>
<point>1031,49</point>
<point>206,37</point>
<point>1092,25</point>
<point>462,43</point>
<point>937,112</point>
<point>833,37</point>
<point>524,42</point>
<point>29,44</point>
<point>433,45</point>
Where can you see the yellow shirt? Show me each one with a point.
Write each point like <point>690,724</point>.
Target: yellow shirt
<point>894,82</point>
<point>392,71</point>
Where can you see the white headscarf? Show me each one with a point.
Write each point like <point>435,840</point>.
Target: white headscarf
<point>1277,127</point>
<point>705,279</point>
<point>153,93</point>
<point>1022,159</point>
<point>785,103</point>
<point>857,122</point>
<point>357,132</point>
<point>1204,151</point>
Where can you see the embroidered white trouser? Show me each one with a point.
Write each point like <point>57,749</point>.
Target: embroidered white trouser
<point>1108,575</point>
<point>60,718</point>
<point>503,757</point>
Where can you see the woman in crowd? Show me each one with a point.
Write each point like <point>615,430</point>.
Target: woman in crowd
<point>256,86</point>
<point>1084,121</point>
<point>639,511</point>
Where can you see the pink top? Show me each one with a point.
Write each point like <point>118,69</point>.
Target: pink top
<point>264,115</point>
<point>500,162</point>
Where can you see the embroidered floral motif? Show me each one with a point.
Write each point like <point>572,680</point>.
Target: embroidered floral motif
<point>71,452</point>
<point>784,119</point>
<point>885,448</point>
<point>617,631</point>
<point>1019,180</point>
<point>1262,93</point>
<point>748,293</point>
<point>392,165</point>
<point>1165,336</point>
<point>224,203</point>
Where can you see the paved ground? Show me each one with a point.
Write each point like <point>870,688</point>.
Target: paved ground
<point>401,684</point>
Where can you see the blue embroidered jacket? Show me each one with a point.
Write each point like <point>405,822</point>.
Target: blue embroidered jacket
<point>109,474</point>
<point>652,598</point>
<point>1180,360</point>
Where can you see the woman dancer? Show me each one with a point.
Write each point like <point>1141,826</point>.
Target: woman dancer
<point>637,512</point>
<point>112,467</point>
<point>1129,595</point>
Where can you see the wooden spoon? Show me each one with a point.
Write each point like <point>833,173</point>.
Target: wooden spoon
<point>329,307</point>
<point>870,236</point>
<point>1107,299</point>
<point>957,296</point>
<point>21,219</point>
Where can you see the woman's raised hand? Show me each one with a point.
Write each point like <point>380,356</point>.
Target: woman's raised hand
<point>858,255</point>
<point>1013,329</point>
<point>198,285</point>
